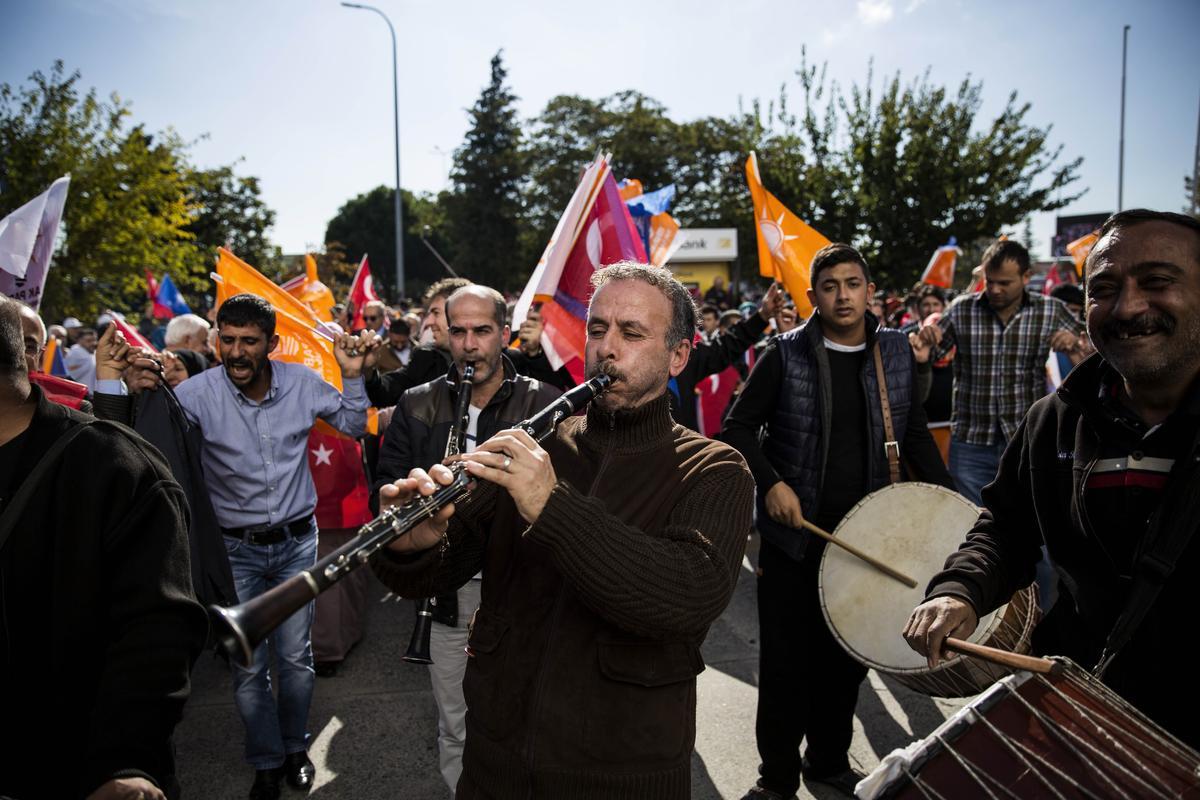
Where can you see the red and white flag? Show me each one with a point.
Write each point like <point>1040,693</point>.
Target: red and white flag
<point>335,462</point>
<point>594,230</point>
<point>362,291</point>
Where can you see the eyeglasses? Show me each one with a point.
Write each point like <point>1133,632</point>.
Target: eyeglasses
<point>372,316</point>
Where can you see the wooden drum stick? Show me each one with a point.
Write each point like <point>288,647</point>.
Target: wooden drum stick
<point>1004,658</point>
<point>854,551</point>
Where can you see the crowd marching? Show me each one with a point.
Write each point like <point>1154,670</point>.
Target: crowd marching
<point>170,468</point>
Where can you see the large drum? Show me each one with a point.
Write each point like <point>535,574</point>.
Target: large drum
<point>1064,735</point>
<point>912,527</point>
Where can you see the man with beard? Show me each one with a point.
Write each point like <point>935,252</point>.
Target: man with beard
<point>1002,336</point>
<point>428,361</point>
<point>417,437</point>
<point>255,415</point>
<point>607,551</point>
<point>1104,473</point>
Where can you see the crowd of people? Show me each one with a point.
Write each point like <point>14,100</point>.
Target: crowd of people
<point>620,536</point>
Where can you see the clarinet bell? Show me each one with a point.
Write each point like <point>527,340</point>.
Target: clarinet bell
<point>418,645</point>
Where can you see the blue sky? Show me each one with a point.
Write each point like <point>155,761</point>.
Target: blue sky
<point>301,91</point>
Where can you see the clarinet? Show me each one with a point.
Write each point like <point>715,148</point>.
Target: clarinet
<point>239,629</point>
<point>418,645</point>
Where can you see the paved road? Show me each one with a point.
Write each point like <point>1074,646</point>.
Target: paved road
<point>374,723</point>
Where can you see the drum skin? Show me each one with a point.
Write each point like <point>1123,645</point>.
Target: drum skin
<point>912,527</point>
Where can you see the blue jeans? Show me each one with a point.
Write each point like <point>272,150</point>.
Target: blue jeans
<point>973,466</point>
<point>274,730</point>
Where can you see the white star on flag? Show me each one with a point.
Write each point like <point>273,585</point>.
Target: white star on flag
<point>322,453</point>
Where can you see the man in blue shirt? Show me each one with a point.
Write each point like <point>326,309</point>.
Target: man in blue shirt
<point>255,415</point>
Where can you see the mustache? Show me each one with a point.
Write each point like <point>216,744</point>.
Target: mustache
<point>606,368</point>
<point>1138,326</point>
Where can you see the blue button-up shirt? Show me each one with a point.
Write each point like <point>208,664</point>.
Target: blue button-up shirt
<point>255,460</point>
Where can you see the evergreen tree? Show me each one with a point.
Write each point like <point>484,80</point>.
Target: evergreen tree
<point>483,209</point>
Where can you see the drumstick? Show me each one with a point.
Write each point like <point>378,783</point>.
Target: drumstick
<point>854,551</point>
<point>1004,658</point>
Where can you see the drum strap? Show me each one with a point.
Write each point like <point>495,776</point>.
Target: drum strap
<point>890,446</point>
<point>1154,567</point>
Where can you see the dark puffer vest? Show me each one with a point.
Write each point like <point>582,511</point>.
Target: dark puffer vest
<point>795,442</point>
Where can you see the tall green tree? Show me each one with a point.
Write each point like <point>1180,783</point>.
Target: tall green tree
<point>483,210</point>
<point>229,212</point>
<point>365,225</point>
<point>135,202</point>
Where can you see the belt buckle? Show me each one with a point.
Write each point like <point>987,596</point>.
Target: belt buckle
<point>892,449</point>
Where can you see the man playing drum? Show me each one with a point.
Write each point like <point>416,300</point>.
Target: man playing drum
<point>1104,473</point>
<point>828,437</point>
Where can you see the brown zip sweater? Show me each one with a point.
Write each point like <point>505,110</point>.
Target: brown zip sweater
<point>586,646</point>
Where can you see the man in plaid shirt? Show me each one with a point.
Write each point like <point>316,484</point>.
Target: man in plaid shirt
<point>1003,335</point>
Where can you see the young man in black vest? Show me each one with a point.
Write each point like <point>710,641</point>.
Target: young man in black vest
<point>816,391</point>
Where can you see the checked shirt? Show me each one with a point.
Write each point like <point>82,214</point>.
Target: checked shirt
<point>1000,370</point>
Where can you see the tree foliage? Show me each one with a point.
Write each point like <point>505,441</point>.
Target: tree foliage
<point>135,202</point>
<point>365,225</point>
<point>483,211</point>
<point>893,167</point>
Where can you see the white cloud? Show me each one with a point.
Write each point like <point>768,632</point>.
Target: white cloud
<point>875,12</point>
<point>913,5</point>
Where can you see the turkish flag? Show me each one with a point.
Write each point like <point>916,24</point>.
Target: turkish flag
<point>336,464</point>
<point>362,291</point>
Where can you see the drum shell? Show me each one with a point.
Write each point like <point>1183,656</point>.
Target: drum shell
<point>913,527</point>
<point>1064,735</point>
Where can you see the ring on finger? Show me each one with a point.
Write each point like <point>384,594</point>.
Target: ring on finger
<point>507,462</point>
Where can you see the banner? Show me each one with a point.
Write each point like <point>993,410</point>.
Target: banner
<point>786,245</point>
<point>130,333</point>
<point>169,298</point>
<point>52,360</point>
<point>362,291</point>
<point>336,464</point>
<point>308,289</point>
<point>940,270</point>
<point>1080,248</point>
<point>659,231</point>
<point>594,230</point>
<point>27,238</point>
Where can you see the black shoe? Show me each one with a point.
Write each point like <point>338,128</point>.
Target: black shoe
<point>299,770</point>
<point>266,784</point>
<point>842,780</point>
<point>760,793</point>
<point>325,669</point>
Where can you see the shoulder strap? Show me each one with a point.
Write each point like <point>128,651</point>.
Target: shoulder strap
<point>890,446</point>
<point>8,519</point>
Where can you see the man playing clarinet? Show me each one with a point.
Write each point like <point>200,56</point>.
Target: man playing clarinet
<point>424,421</point>
<point>606,554</point>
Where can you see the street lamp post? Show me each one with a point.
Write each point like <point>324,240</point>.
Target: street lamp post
<point>396,120</point>
<point>1121,157</point>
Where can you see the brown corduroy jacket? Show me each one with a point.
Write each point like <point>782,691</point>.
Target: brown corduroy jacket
<point>586,647</point>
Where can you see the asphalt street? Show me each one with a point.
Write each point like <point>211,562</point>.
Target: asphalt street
<point>374,723</point>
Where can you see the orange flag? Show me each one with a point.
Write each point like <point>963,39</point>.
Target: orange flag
<point>940,270</point>
<point>308,289</point>
<point>1080,248</point>
<point>302,339</point>
<point>786,245</point>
